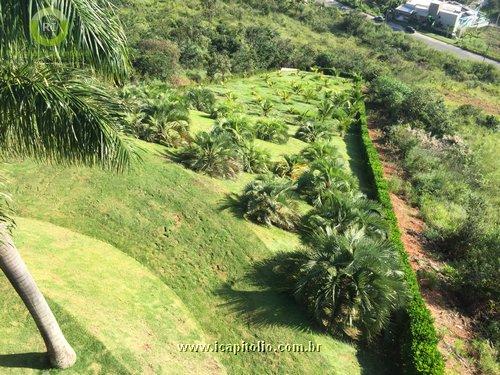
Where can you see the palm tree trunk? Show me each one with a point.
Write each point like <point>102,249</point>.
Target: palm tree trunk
<point>61,354</point>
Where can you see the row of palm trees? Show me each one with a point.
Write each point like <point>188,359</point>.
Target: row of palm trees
<point>347,274</point>
<point>52,109</point>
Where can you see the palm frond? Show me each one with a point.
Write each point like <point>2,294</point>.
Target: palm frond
<point>52,115</point>
<point>95,37</point>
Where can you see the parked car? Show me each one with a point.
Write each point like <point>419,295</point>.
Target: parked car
<point>379,19</point>
<point>410,29</point>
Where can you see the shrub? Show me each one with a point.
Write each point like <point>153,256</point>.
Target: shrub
<point>211,154</point>
<point>339,212</point>
<point>202,99</point>
<point>291,166</point>
<point>266,107</point>
<point>321,150</point>
<point>238,128</point>
<point>314,131</point>
<point>268,200</point>
<point>157,58</point>
<point>221,110</point>
<point>274,131</point>
<point>254,159</point>
<point>351,283</point>
<point>324,177</point>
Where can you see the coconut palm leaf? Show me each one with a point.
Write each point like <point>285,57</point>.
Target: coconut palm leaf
<point>52,115</point>
<point>95,37</point>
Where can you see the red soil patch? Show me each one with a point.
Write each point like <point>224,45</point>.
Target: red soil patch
<point>454,329</point>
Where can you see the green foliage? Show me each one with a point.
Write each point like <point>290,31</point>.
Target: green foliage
<point>157,58</point>
<point>416,334</point>
<point>312,131</point>
<point>351,282</point>
<point>213,154</point>
<point>325,176</point>
<point>272,130</point>
<point>291,166</point>
<point>238,128</point>
<point>268,200</point>
<point>161,118</point>
<point>58,115</point>
<point>202,99</point>
<point>254,159</point>
<point>320,150</point>
<point>266,107</point>
<point>339,212</point>
<point>417,105</point>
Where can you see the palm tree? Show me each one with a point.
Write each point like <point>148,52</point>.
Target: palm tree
<point>321,150</point>
<point>211,153</point>
<point>324,177</point>
<point>268,200</point>
<point>325,110</point>
<point>352,283</point>
<point>338,212</point>
<point>49,111</point>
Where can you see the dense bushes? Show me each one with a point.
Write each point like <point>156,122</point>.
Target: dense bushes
<point>201,99</point>
<point>157,115</point>
<point>416,335</point>
<point>157,58</point>
<point>402,103</point>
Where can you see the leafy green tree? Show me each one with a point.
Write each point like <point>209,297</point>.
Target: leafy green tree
<point>352,283</point>
<point>157,58</point>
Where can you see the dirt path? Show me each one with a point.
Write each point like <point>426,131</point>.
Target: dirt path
<point>454,329</point>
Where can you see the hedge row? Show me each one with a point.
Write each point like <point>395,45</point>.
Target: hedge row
<point>416,335</point>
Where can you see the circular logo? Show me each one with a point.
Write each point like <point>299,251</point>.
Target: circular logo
<point>49,27</point>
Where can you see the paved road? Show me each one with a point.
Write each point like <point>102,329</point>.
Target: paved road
<point>431,42</point>
<point>445,47</point>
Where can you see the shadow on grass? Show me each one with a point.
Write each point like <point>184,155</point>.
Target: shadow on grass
<point>264,298</point>
<point>358,162</point>
<point>36,361</point>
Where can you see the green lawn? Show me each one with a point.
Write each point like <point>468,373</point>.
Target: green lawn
<point>138,262</point>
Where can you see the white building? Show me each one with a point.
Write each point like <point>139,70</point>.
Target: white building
<point>451,17</point>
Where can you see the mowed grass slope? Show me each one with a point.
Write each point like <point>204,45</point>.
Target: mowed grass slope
<point>138,319</point>
<point>170,220</point>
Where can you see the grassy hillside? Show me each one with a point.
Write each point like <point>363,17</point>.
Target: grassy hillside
<point>170,220</point>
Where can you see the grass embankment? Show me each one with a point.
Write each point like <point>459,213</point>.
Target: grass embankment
<point>170,220</point>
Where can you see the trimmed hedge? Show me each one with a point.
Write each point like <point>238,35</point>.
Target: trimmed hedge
<point>416,336</point>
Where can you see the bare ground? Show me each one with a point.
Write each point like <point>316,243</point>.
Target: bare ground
<point>455,329</point>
